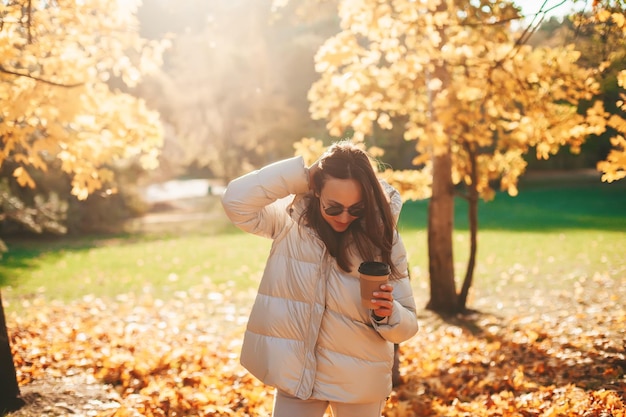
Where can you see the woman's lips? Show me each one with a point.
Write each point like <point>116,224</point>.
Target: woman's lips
<point>341,226</point>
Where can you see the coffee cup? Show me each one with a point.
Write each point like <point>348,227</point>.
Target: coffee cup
<point>372,275</point>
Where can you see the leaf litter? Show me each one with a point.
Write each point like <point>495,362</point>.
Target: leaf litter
<point>554,353</point>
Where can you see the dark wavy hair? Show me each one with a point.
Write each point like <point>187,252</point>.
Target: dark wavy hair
<point>372,234</point>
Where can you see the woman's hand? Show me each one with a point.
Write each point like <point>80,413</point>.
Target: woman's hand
<point>383,300</point>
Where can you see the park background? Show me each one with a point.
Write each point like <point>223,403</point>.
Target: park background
<point>126,290</point>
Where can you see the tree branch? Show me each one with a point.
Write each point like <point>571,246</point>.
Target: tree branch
<point>510,19</point>
<point>29,20</point>
<point>43,80</point>
<point>532,27</point>
<point>551,8</point>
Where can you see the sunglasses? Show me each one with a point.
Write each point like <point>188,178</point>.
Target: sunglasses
<point>354,211</point>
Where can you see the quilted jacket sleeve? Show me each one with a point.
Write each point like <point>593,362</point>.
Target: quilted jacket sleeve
<point>257,201</point>
<point>402,324</point>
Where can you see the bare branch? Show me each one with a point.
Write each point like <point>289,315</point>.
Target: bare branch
<point>30,17</point>
<point>532,27</point>
<point>534,16</point>
<point>43,80</point>
<point>541,11</point>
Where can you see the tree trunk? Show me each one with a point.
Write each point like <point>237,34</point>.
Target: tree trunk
<point>471,263</point>
<point>472,212</point>
<point>396,379</point>
<point>9,390</point>
<point>443,296</point>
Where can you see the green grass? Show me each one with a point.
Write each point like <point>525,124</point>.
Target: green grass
<point>548,236</point>
<point>106,267</point>
<point>595,206</point>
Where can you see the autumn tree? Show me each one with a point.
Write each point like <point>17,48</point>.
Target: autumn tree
<point>599,34</point>
<point>467,90</point>
<point>60,110</point>
<point>609,17</point>
<point>59,62</point>
<point>614,166</point>
<point>602,46</point>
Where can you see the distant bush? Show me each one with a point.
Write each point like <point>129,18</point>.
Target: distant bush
<point>102,212</point>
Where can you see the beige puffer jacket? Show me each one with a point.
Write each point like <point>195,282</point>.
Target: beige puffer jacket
<point>308,334</point>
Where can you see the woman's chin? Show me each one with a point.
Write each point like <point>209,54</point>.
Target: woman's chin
<point>340,228</point>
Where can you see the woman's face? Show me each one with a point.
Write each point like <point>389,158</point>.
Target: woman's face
<point>344,195</point>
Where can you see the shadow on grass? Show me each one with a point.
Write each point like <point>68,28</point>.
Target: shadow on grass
<point>24,251</point>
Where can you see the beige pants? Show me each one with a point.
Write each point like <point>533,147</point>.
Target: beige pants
<point>288,406</point>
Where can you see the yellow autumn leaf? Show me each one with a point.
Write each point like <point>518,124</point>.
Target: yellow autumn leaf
<point>23,177</point>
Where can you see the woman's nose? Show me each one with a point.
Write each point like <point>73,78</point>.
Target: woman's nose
<point>345,217</point>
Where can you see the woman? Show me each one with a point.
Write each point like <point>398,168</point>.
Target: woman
<point>308,334</point>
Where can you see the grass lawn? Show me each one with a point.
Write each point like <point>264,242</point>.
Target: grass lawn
<point>547,237</point>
